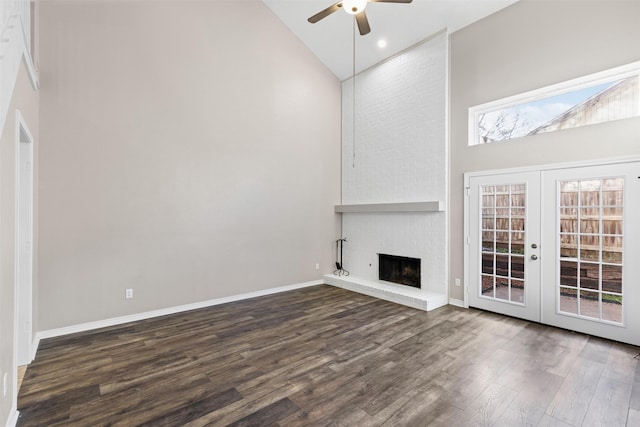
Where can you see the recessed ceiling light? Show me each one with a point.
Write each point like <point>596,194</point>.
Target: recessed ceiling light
<point>382,43</point>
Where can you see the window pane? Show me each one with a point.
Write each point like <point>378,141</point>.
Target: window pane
<point>612,226</point>
<point>517,224</point>
<point>517,267</point>
<point>612,278</point>
<point>589,198</point>
<point>612,308</point>
<point>502,223</point>
<point>569,224</point>
<point>517,291</point>
<point>612,198</point>
<point>609,184</point>
<point>502,288</point>
<point>568,246</point>
<point>488,264</point>
<point>517,199</point>
<point>589,304</point>
<point>568,273</point>
<point>569,199</point>
<point>488,189</point>
<point>502,200</point>
<point>590,225</point>
<point>590,248</point>
<point>589,275</point>
<point>487,286</point>
<point>502,265</point>
<point>576,106</point>
<point>569,300</point>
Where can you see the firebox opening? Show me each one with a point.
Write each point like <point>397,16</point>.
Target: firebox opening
<point>399,269</point>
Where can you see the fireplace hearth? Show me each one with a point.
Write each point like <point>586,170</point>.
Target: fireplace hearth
<point>399,269</point>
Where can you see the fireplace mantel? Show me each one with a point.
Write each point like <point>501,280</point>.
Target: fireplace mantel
<point>434,206</point>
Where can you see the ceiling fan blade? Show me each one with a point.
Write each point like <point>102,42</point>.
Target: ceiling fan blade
<point>390,1</point>
<point>324,13</point>
<point>363,23</point>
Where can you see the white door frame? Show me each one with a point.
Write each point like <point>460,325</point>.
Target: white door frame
<point>23,268</point>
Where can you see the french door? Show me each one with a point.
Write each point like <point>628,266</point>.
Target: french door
<point>558,247</point>
<point>503,239</point>
<point>591,272</point>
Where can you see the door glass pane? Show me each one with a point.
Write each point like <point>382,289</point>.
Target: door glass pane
<point>568,245</point>
<point>612,278</point>
<point>590,252</point>
<point>589,304</point>
<point>612,307</point>
<point>487,285</point>
<point>517,290</point>
<point>503,242</point>
<point>569,300</point>
<point>568,273</point>
<point>568,220</point>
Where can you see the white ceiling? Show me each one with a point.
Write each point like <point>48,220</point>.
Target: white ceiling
<point>401,25</point>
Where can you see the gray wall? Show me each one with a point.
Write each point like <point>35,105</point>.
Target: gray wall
<point>25,99</point>
<point>532,44</point>
<point>190,151</point>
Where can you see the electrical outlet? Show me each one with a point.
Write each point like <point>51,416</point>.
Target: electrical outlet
<point>128,293</point>
<point>317,266</point>
<point>4,385</point>
<point>457,282</point>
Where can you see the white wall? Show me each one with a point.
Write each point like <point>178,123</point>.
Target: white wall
<point>532,44</point>
<point>400,156</point>
<point>191,151</point>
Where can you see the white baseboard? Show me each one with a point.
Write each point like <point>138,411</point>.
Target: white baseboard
<point>12,421</point>
<point>456,302</point>
<point>51,333</point>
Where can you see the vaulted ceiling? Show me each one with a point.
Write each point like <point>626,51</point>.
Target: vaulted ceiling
<point>400,25</point>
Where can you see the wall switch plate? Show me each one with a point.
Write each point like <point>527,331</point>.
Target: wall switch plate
<point>4,385</point>
<point>457,282</point>
<point>317,266</point>
<point>128,293</point>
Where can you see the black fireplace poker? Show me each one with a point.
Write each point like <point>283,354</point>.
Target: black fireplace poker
<point>340,271</point>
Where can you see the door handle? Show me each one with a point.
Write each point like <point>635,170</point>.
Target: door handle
<point>534,257</point>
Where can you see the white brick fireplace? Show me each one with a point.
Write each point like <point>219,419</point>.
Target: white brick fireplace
<point>394,188</point>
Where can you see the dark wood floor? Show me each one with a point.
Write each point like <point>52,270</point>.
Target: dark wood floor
<point>326,356</point>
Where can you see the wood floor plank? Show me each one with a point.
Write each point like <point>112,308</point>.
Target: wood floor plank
<point>268,415</point>
<point>549,421</point>
<point>621,364</point>
<point>634,401</point>
<point>610,404</point>
<point>633,418</point>
<point>572,401</point>
<point>324,356</point>
<point>488,406</point>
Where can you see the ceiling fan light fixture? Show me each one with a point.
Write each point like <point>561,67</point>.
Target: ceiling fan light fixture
<point>354,7</point>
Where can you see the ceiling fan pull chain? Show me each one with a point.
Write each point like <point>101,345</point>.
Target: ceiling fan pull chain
<point>353,164</point>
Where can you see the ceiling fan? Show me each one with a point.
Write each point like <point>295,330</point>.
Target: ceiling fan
<point>355,8</point>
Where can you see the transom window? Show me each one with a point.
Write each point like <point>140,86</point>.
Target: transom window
<point>606,96</point>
